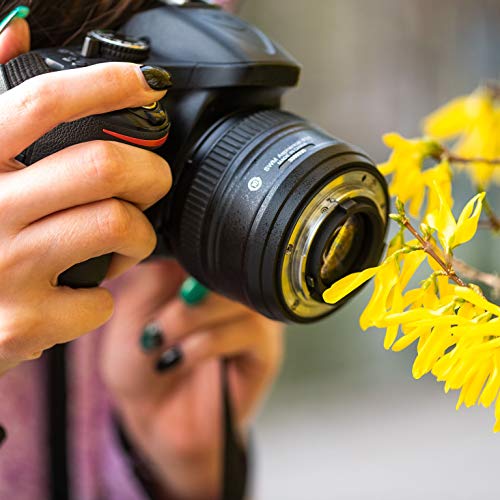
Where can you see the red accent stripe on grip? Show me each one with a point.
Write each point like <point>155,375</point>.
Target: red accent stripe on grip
<point>148,143</point>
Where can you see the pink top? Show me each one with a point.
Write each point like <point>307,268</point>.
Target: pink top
<point>98,466</point>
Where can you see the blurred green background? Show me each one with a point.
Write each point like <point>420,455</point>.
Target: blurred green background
<point>345,419</point>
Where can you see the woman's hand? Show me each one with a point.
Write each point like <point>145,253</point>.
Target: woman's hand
<point>173,417</point>
<point>79,203</point>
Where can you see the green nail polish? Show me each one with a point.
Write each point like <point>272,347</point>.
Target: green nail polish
<point>21,12</point>
<point>192,292</point>
<point>152,337</point>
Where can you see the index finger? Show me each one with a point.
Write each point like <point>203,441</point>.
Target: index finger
<point>39,104</point>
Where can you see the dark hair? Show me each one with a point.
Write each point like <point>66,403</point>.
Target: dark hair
<point>59,22</point>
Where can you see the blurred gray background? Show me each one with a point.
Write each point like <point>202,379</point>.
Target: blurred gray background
<point>345,419</point>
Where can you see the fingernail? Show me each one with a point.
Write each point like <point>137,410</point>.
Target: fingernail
<point>192,292</point>
<point>20,11</point>
<point>157,78</point>
<point>152,337</point>
<point>169,359</point>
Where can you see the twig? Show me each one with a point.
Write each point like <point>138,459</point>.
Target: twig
<point>460,159</point>
<point>485,224</point>
<point>443,153</point>
<point>428,248</point>
<point>492,216</point>
<point>493,87</point>
<point>470,272</point>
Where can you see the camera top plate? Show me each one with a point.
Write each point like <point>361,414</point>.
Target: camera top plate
<point>207,47</point>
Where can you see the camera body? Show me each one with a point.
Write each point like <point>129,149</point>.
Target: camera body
<point>265,207</point>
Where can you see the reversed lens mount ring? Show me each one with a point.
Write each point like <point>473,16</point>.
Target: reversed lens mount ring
<point>296,292</point>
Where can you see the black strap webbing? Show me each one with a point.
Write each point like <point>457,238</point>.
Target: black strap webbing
<point>57,424</point>
<point>3,434</point>
<point>235,463</point>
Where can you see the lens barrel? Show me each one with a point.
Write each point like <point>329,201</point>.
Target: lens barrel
<point>261,201</point>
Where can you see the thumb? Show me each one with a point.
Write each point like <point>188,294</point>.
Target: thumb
<point>15,40</point>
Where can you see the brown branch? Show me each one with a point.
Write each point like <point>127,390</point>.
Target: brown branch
<point>493,88</point>
<point>471,273</point>
<point>492,216</point>
<point>460,159</point>
<point>443,153</point>
<point>485,224</point>
<point>428,248</point>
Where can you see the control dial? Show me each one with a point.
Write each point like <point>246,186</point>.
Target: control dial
<point>115,46</point>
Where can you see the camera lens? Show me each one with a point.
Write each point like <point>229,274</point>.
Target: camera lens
<point>270,211</point>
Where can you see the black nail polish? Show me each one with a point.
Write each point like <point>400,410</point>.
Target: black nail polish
<point>157,78</point>
<point>152,337</point>
<point>3,435</point>
<point>169,359</point>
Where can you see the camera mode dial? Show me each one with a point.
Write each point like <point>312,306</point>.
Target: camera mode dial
<point>111,45</point>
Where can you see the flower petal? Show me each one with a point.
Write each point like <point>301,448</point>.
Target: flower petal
<point>346,285</point>
<point>442,219</point>
<point>468,220</point>
<point>449,120</point>
<point>470,295</point>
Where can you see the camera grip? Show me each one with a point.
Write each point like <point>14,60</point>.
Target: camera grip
<point>92,272</point>
<point>119,126</point>
<point>86,274</point>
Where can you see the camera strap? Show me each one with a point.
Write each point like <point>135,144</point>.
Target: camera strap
<point>57,424</point>
<point>235,463</point>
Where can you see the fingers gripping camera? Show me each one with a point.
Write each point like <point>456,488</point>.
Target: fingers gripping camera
<point>146,127</point>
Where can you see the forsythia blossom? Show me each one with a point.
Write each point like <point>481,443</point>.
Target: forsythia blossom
<point>473,121</point>
<point>409,180</point>
<point>456,329</point>
<point>453,233</point>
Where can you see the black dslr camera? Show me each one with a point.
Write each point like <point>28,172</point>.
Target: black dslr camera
<point>265,208</point>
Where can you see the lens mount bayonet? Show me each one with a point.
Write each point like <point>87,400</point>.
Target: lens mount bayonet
<point>355,198</point>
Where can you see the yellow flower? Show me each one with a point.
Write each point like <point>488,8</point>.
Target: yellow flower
<point>455,117</point>
<point>390,280</point>
<point>474,121</point>
<point>452,233</point>
<point>431,350</point>
<point>492,387</point>
<point>347,284</point>
<point>456,329</point>
<point>440,175</point>
<point>474,298</point>
<point>386,278</point>
<point>406,163</point>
